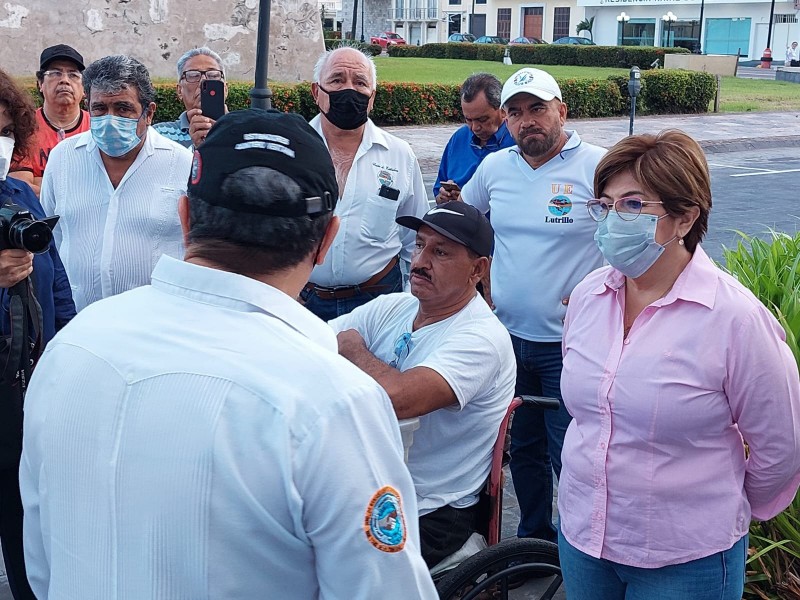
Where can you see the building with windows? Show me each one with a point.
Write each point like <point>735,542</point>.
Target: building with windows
<point>510,19</point>
<point>724,28</point>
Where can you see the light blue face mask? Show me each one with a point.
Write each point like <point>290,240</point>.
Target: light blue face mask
<point>629,246</point>
<point>115,136</point>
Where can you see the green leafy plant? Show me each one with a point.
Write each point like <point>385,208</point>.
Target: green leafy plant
<point>771,270</point>
<point>586,25</point>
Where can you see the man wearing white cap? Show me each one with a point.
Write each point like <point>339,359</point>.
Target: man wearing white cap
<point>544,245</point>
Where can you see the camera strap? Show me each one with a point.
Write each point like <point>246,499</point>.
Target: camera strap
<point>24,309</point>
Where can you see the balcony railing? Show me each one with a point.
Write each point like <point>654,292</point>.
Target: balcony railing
<point>414,14</point>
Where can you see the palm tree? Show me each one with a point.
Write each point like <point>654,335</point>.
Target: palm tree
<point>585,25</point>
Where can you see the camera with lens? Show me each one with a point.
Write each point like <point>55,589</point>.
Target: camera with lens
<point>19,229</point>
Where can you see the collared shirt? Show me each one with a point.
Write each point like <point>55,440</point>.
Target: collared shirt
<point>544,237</point>
<point>200,438</point>
<point>177,131</point>
<point>464,153</point>
<point>654,470</point>
<point>111,238</point>
<point>47,136</point>
<point>50,281</point>
<point>368,237</point>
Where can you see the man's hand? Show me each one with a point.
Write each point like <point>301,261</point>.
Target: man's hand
<point>350,343</point>
<point>449,191</point>
<point>15,265</point>
<point>445,196</point>
<point>199,125</point>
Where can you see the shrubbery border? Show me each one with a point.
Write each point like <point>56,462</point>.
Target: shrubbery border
<point>663,91</point>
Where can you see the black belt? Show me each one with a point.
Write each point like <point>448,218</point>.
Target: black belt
<point>348,291</point>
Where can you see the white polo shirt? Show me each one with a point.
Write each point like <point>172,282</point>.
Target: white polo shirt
<point>451,455</point>
<point>368,237</point>
<point>201,438</point>
<point>544,237</point>
<point>109,239</point>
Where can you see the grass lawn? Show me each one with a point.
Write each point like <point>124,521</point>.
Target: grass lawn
<point>738,95</point>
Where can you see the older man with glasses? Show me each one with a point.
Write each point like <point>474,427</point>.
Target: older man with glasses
<point>60,82</point>
<point>192,126</point>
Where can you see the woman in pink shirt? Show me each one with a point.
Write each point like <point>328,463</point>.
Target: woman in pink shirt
<point>670,366</point>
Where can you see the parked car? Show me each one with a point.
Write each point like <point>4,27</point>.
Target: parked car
<point>491,39</point>
<point>461,37</point>
<point>526,40</point>
<point>387,38</point>
<point>575,41</point>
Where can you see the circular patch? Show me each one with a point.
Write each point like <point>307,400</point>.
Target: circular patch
<point>523,78</point>
<point>559,206</point>
<point>197,168</point>
<point>384,522</point>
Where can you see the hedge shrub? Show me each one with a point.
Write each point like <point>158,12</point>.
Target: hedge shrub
<point>670,91</point>
<point>544,54</point>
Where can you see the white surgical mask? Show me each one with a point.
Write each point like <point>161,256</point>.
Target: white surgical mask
<point>6,152</point>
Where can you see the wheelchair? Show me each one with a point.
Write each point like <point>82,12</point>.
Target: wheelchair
<point>508,564</point>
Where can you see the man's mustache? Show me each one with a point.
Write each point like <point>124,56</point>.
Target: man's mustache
<point>421,272</point>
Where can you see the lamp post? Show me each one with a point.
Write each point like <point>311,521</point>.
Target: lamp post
<point>260,95</point>
<point>699,48</point>
<point>622,18</point>
<point>669,19</point>
<point>362,20</point>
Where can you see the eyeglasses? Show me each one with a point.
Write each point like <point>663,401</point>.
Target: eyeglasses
<point>402,347</point>
<point>627,208</point>
<point>195,76</point>
<point>57,74</point>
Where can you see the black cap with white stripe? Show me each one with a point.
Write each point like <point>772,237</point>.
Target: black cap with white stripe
<point>284,142</point>
<point>458,221</point>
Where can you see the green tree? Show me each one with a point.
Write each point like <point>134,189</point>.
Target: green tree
<point>585,25</point>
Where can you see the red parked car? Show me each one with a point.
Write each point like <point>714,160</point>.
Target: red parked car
<point>387,38</point>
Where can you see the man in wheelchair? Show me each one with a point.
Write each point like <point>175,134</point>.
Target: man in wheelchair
<point>443,356</point>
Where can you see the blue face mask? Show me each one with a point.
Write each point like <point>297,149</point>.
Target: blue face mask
<point>115,136</point>
<point>629,246</point>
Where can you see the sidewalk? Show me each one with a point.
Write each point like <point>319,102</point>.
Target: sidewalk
<point>722,132</point>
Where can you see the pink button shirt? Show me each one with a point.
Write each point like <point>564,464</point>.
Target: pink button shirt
<point>654,466</point>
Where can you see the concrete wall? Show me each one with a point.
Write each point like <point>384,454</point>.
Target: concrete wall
<point>157,32</point>
<point>715,64</point>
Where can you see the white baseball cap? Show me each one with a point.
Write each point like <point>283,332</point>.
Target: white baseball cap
<point>530,81</point>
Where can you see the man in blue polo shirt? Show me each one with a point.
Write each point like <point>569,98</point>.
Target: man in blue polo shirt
<point>485,132</point>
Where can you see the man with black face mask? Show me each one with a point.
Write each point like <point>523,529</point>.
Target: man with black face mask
<point>379,180</point>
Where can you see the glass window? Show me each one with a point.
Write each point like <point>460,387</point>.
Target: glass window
<point>637,32</point>
<point>560,22</point>
<point>504,22</point>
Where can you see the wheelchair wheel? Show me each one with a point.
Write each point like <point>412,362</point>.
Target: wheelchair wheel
<point>505,566</point>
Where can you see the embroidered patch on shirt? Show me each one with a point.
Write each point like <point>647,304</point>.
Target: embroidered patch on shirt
<point>385,178</point>
<point>384,522</point>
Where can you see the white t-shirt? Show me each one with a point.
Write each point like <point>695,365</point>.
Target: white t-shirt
<point>544,237</point>
<point>451,455</point>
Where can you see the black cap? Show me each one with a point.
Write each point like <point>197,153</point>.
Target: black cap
<point>265,138</point>
<point>60,52</point>
<point>458,221</point>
